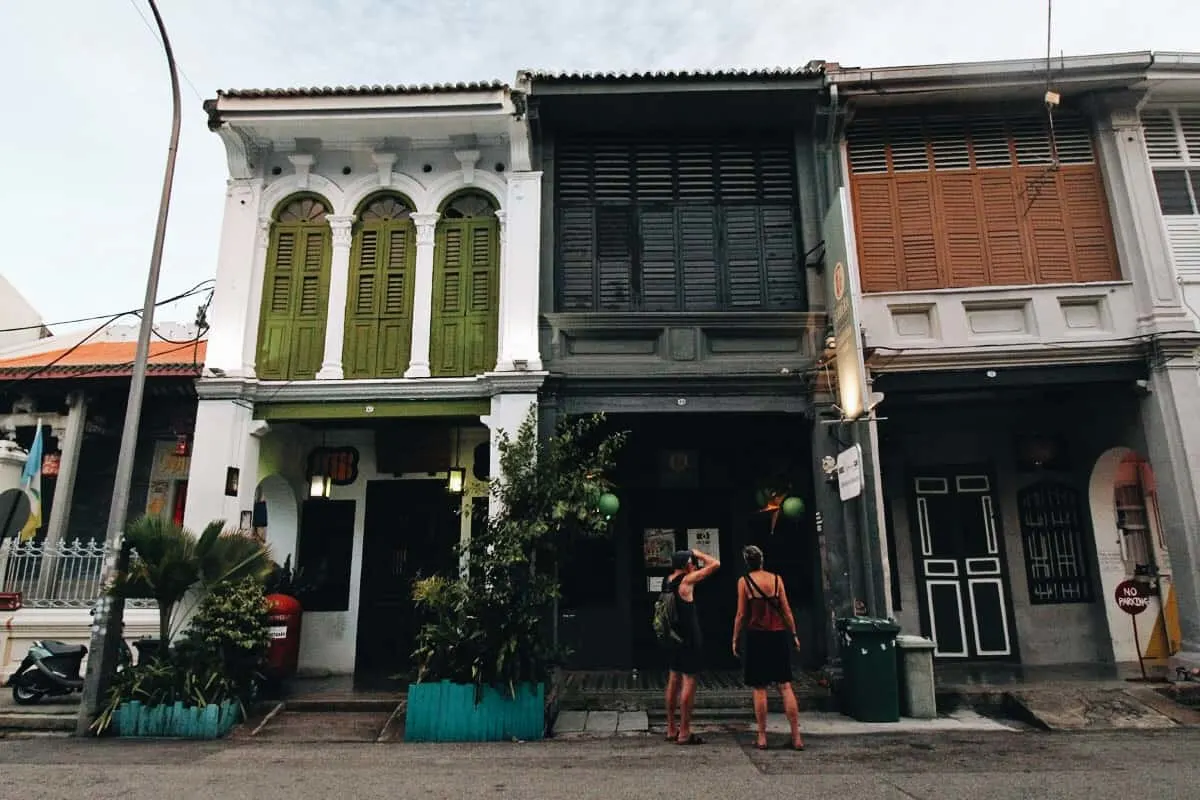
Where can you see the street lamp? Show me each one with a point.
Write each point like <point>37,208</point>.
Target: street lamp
<point>110,612</point>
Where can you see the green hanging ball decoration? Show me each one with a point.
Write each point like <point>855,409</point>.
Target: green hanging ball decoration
<point>792,507</point>
<point>608,504</point>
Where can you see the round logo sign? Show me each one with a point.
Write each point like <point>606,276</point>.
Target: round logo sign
<point>1132,597</point>
<point>839,280</point>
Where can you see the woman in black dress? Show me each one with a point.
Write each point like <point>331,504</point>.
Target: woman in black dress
<point>765,616</point>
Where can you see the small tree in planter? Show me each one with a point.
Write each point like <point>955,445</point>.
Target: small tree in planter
<point>484,658</point>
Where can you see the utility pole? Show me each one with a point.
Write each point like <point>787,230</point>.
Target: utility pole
<point>110,612</point>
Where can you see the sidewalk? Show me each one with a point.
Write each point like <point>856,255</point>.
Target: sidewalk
<point>611,724</point>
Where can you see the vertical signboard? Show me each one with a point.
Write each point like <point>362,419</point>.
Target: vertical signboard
<point>842,263</point>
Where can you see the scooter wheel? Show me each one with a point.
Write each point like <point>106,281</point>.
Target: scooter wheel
<point>25,696</point>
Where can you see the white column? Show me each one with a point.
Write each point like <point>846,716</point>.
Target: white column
<point>254,301</point>
<point>237,290</point>
<point>1171,423</point>
<point>519,272</point>
<point>335,312</point>
<point>507,413</point>
<point>69,443</point>
<point>505,296</point>
<point>418,364</point>
<point>1141,239</point>
<point>223,439</point>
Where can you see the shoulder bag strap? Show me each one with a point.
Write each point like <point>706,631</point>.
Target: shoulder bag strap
<point>774,601</point>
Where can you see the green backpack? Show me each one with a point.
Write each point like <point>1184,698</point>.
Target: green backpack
<point>666,615</point>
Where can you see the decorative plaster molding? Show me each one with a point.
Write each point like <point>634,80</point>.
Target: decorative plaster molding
<point>342,229</point>
<point>385,163</point>
<point>467,159</point>
<point>279,190</point>
<point>240,153</point>
<point>264,227</point>
<point>426,223</point>
<point>502,215</point>
<point>453,182</point>
<point>303,164</point>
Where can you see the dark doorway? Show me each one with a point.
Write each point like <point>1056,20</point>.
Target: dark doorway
<point>410,532</point>
<point>681,473</point>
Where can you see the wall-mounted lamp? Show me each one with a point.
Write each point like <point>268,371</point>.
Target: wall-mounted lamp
<point>183,445</point>
<point>319,487</point>
<point>456,480</point>
<point>233,477</point>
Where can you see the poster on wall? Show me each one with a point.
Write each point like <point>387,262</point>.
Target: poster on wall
<point>706,540</point>
<point>658,545</point>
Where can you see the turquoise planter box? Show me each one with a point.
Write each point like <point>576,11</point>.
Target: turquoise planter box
<point>213,721</point>
<point>447,712</point>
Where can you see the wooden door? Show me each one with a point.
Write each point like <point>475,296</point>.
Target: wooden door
<point>961,570</point>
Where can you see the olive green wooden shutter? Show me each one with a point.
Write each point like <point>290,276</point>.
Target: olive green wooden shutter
<point>466,298</point>
<point>311,305</point>
<point>379,302</point>
<point>275,324</point>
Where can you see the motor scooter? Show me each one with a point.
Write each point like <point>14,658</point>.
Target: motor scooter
<point>51,668</point>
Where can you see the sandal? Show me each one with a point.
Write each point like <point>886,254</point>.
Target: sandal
<point>760,745</point>
<point>797,746</point>
<point>692,739</point>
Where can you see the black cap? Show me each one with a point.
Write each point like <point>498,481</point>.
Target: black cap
<point>680,559</point>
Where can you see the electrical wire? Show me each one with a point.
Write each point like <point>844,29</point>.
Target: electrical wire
<point>6,387</point>
<point>178,68</point>
<point>197,289</point>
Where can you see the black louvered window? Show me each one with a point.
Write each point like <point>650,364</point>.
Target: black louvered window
<point>672,225</point>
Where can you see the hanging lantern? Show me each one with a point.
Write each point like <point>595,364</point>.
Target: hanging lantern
<point>320,487</point>
<point>608,504</point>
<point>456,480</point>
<point>182,445</point>
<point>792,507</point>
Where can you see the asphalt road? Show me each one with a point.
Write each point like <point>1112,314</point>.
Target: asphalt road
<point>1159,765</point>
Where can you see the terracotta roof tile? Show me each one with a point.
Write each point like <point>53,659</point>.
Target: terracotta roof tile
<point>107,360</point>
<point>812,69</point>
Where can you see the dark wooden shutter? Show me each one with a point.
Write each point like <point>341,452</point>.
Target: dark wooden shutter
<point>676,225</point>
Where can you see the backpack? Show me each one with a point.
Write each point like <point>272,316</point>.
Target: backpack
<point>666,615</point>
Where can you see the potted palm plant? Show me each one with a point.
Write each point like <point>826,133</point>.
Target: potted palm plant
<point>225,570</point>
<point>485,655</point>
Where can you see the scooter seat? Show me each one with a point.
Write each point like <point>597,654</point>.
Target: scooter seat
<point>63,649</point>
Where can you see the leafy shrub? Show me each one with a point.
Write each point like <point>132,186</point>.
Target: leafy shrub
<point>489,626</point>
<point>220,658</point>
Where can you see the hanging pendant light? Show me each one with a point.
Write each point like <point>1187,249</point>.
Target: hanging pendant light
<point>456,478</point>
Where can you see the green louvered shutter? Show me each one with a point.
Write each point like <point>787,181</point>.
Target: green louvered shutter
<point>275,325</point>
<point>295,297</point>
<point>380,299</point>
<point>465,297</point>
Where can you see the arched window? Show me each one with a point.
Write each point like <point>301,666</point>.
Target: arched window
<point>379,299</point>
<point>295,300</point>
<point>466,291</point>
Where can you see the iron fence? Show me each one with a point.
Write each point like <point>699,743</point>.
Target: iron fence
<point>56,574</point>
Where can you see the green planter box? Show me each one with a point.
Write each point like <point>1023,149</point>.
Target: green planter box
<point>448,712</point>
<point>133,719</point>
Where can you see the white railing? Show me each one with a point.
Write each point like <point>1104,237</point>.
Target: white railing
<point>58,575</point>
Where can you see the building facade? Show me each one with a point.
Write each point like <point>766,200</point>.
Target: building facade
<point>1023,319</point>
<point>374,330</point>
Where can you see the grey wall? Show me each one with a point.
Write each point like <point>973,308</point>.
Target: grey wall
<point>1092,421</point>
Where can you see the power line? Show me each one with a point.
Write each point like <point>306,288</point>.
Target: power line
<point>154,33</point>
<point>197,289</point>
<point>14,383</point>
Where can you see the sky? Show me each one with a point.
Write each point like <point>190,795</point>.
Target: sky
<point>86,119</point>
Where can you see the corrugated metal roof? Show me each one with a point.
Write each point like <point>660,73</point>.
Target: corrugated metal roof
<point>376,89</point>
<point>809,70</point>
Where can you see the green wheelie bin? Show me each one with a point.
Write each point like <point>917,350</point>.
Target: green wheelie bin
<point>870,680</point>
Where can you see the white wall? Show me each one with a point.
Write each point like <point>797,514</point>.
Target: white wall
<point>16,312</point>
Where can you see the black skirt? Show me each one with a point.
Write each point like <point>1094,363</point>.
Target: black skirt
<point>767,658</point>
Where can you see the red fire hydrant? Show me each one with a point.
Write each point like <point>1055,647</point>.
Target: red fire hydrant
<point>283,625</point>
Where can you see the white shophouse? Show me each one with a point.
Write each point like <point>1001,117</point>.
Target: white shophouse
<point>374,329</point>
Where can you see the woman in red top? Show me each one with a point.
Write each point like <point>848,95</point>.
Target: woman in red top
<point>766,617</point>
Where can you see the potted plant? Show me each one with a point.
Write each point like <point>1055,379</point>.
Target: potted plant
<point>485,655</point>
<point>173,692</point>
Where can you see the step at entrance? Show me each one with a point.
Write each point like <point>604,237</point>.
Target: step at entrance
<point>328,722</point>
